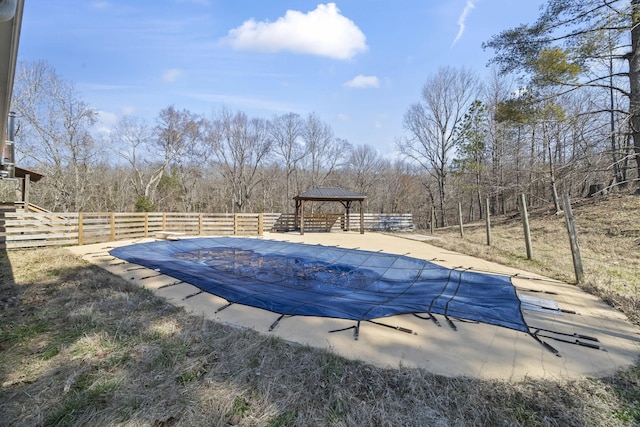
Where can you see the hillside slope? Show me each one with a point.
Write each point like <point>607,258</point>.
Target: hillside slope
<point>608,235</point>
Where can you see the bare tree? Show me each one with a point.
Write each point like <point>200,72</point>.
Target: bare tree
<point>56,134</point>
<point>286,131</point>
<point>132,140</point>
<point>240,146</point>
<point>116,194</point>
<point>365,164</point>
<point>177,135</point>
<point>431,123</point>
<point>324,153</point>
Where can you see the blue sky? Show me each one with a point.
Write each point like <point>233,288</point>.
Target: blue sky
<point>357,64</point>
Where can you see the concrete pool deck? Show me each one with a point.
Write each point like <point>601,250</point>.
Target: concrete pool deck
<point>474,349</point>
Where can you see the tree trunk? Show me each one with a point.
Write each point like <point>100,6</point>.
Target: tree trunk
<point>634,79</point>
<point>612,127</point>
<point>478,194</point>
<point>532,162</point>
<point>443,194</point>
<point>552,171</point>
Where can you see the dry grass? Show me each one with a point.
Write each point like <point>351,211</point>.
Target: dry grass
<point>79,346</point>
<point>609,238</point>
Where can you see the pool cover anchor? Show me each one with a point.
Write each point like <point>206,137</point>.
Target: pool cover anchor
<point>277,322</point>
<point>575,334</point>
<point>227,305</point>
<point>171,284</point>
<point>450,322</point>
<point>397,328</point>
<point>429,316</point>
<point>538,337</point>
<point>576,341</point>
<point>192,295</point>
<point>545,344</point>
<point>151,276</point>
<point>356,328</point>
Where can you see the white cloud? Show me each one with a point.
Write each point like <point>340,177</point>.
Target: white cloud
<point>323,32</point>
<point>343,117</point>
<point>107,118</point>
<point>128,110</point>
<point>100,5</point>
<point>105,124</point>
<point>171,75</point>
<point>380,120</point>
<point>463,19</point>
<point>362,82</point>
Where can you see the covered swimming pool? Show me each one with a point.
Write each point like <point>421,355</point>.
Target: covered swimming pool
<point>295,279</point>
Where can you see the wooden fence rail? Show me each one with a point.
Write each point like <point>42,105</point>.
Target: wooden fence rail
<point>25,229</point>
<point>28,229</point>
<point>383,222</point>
<point>335,222</point>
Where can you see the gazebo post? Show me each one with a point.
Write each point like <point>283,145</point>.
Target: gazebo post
<point>361,218</point>
<point>26,183</point>
<point>347,206</point>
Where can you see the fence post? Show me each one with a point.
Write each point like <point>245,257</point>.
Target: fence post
<point>80,231</point>
<point>235,224</point>
<point>260,224</point>
<point>112,221</point>
<point>525,225</point>
<point>200,222</point>
<point>164,221</point>
<point>146,224</point>
<point>460,219</point>
<point>573,239</point>
<point>487,214</point>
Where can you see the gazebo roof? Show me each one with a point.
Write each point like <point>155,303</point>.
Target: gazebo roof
<point>329,195</point>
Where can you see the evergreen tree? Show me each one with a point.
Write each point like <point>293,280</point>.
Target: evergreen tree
<point>568,45</point>
<point>471,136</point>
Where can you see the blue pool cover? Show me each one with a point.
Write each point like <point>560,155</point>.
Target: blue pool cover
<point>314,280</point>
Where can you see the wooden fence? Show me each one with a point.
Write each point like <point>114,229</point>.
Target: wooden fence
<point>312,222</point>
<point>25,229</point>
<point>336,222</point>
<point>383,222</point>
<point>28,229</point>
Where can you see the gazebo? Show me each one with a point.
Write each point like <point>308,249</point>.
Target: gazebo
<point>26,177</point>
<point>345,197</point>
